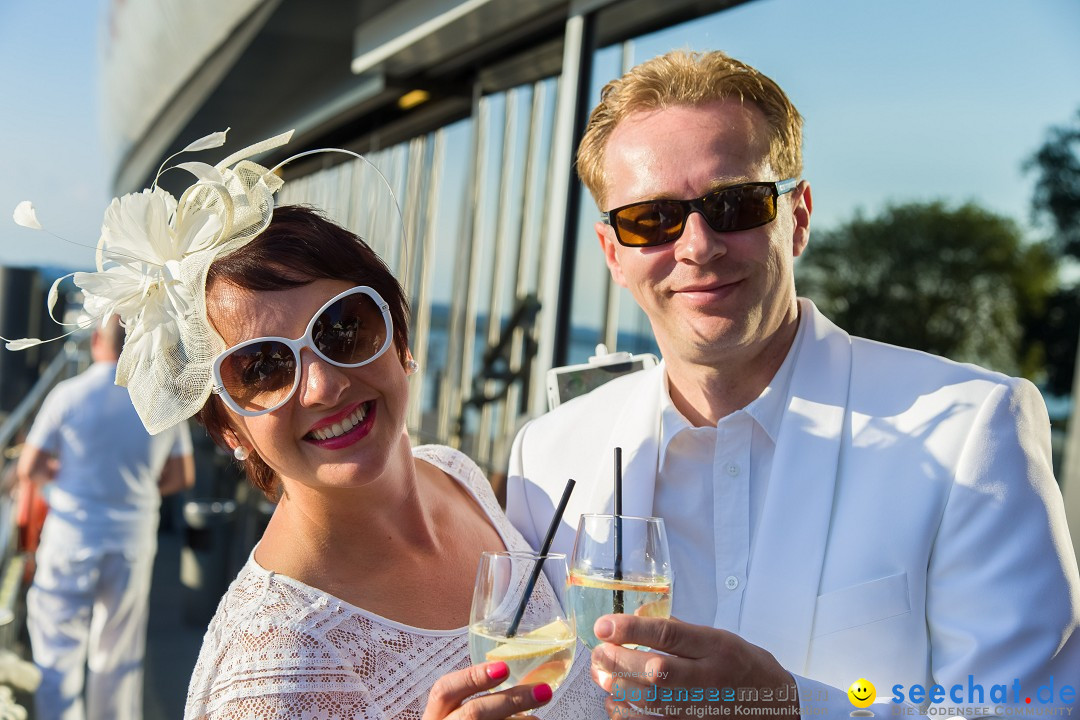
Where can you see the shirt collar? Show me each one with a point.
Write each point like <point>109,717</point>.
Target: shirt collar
<point>672,422</point>
<point>767,409</point>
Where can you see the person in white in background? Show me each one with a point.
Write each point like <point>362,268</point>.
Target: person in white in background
<point>103,476</point>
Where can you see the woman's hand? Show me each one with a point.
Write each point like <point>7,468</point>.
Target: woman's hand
<point>446,701</point>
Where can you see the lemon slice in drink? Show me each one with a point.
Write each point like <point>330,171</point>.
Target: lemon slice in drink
<point>551,672</point>
<point>590,581</point>
<point>535,643</point>
<point>655,609</point>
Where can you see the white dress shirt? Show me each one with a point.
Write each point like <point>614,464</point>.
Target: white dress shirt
<point>905,528</point>
<point>725,468</point>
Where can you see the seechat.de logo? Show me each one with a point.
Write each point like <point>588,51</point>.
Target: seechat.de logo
<point>998,696</point>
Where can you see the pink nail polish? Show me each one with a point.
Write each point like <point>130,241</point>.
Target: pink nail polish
<point>498,671</point>
<point>542,693</point>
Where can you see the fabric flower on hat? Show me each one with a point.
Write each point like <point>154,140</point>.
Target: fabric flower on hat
<point>152,258</point>
<point>139,265</point>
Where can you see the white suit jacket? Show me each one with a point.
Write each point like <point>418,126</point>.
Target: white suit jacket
<point>913,532</point>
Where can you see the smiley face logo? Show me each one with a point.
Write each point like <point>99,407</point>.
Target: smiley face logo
<point>862,693</point>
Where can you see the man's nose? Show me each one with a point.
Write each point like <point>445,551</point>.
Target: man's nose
<point>699,243</point>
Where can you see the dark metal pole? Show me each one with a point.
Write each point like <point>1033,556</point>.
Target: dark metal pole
<point>573,193</point>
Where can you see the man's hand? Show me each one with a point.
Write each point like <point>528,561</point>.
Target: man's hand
<point>177,475</point>
<point>715,667</point>
<point>37,466</point>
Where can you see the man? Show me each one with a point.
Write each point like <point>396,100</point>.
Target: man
<point>837,509</point>
<point>103,476</point>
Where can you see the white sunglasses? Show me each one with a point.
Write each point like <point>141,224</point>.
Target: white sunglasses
<point>260,375</point>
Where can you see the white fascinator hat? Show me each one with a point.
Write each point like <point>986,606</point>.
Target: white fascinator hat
<point>155,250</point>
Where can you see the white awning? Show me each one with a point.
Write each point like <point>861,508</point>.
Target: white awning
<point>155,51</point>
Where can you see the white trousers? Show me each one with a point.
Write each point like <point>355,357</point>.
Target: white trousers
<point>87,613</point>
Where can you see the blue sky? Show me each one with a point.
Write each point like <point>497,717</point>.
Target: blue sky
<point>912,100</point>
<point>50,140</point>
<point>909,100</point>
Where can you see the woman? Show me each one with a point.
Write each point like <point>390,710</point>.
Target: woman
<point>355,603</point>
<point>357,597</point>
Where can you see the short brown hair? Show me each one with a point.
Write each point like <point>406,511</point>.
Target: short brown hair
<point>688,78</point>
<point>298,247</point>
<point>111,335</point>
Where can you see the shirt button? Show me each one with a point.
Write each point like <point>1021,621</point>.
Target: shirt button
<point>732,469</point>
<point>731,582</point>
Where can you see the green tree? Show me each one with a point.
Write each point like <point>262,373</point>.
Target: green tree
<point>1056,332</point>
<point>953,282</point>
<point>1057,203</point>
<point>1057,185</point>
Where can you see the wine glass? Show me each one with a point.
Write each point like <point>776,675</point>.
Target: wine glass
<point>620,564</point>
<point>537,643</point>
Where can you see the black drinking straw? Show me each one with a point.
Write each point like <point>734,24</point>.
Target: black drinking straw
<point>512,631</point>
<point>617,600</point>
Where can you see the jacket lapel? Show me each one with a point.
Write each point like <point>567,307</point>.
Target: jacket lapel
<point>636,429</point>
<point>785,570</point>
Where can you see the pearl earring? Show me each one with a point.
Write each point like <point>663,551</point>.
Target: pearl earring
<point>411,366</point>
<point>240,453</point>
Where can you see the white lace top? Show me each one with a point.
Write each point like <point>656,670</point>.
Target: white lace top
<point>278,648</point>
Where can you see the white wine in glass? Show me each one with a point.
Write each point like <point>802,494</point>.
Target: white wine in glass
<point>541,650</point>
<point>620,565</point>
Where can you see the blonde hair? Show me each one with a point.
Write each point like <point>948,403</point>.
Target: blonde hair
<point>689,78</point>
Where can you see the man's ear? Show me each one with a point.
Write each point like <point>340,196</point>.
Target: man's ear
<point>803,205</point>
<point>606,234</point>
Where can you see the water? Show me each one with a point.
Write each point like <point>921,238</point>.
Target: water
<point>591,596</point>
<point>542,656</point>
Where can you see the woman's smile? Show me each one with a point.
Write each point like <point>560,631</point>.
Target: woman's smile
<point>345,431</point>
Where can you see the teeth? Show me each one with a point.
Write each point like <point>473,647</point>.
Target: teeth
<point>340,428</point>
